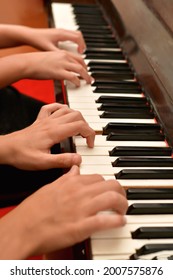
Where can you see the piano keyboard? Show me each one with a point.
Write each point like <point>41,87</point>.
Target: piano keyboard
<point>130,144</point>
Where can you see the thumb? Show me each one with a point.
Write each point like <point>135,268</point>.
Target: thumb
<point>74,170</point>
<point>64,160</point>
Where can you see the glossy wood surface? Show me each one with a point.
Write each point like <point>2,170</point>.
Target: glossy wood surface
<point>148,45</point>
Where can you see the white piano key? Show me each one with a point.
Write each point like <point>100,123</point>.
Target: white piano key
<point>110,257</point>
<point>97,159</point>
<point>108,169</point>
<point>122,246</point>
<point>100,141</point>
<point>103,121</point>
<point>153,201</point>
<point>148,183</point>
<point>86,151</point>
<point>103,150</point>
<point>61,12</point>
<point>137,219</point>
<point>85,94</point>
<point>100,159</point>
<point>87,90</point>
<point>123,61</point>
<point>125,231</point>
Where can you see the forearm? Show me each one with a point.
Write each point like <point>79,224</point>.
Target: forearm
<point>14,35</point>
<point>12,69</point>
<point>14,243</point>
<point>4,149</point>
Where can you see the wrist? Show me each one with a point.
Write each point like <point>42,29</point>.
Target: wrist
<point>12,69</point>
<point>14,241</point>
<point>5,149</point>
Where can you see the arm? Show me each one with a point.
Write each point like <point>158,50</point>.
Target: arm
<point>45,39</point>
<point>29,148</point>
<point>55,65</point>
<point>62,214</point>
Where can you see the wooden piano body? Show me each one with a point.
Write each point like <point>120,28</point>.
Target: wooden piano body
<point>143,30</point>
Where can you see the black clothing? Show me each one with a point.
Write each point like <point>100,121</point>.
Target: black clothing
<point>18,111</point>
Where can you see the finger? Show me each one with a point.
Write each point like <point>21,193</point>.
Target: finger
<point>74,36</point>
<point>70,76</point>
<point>82,180</point>
<point>77,38</point>
<point>67,115</point>
<point>107,185</point>
<point>110,200</point>
<point>75,58</point>
<point>47,110</point>
<point>61,160</point>
<point>64,110</point>
<point>81,71</point>
<point>74,170</point>
<point>81,43</point>
<point>99,222</point>
<point>73,129</point>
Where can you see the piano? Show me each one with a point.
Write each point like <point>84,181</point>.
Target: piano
<point>130,106</point>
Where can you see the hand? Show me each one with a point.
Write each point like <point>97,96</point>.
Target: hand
<point>29,148</point>
<point>47,39</point>
<point>57,65</point>
<point>62,214</point>
<point>54,65</point>
<point>44,39</point>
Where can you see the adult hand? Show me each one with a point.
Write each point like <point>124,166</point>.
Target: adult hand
<point>62,214</point>
<point>47,39</point>
<point>54,65</point>
<point>29,148</point>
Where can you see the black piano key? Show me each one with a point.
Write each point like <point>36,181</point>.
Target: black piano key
<point>115,89</point>
<point>85,6</point>
<point>100,73</point>
<point>101,45</point>
<point>150,208</point>
<point>88,16</point>
<point>95,30</point>
<point>145,174</point>
<point>164,256</point>
<point>102,28</point>
<point>134,137</point>
<point>113,107</point>
<point>86,9</point>
<point>117,84</point>
<point>111,75</point>
<point>100,40</point>
<point>131,128</point>
<point>96,37</point>
<point>105,33</point>
<point>111,70</point>
<point>91,21</point>
<point>152,233</point>
<point>117,105</point>
<point>129,101</point>
<point>150,249</point>
<point>142,162</point>
<point>108,65</point>
<point>149,193</point>
<point>140,151</point>
<point>127,115</point>
<point>103,54</point>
